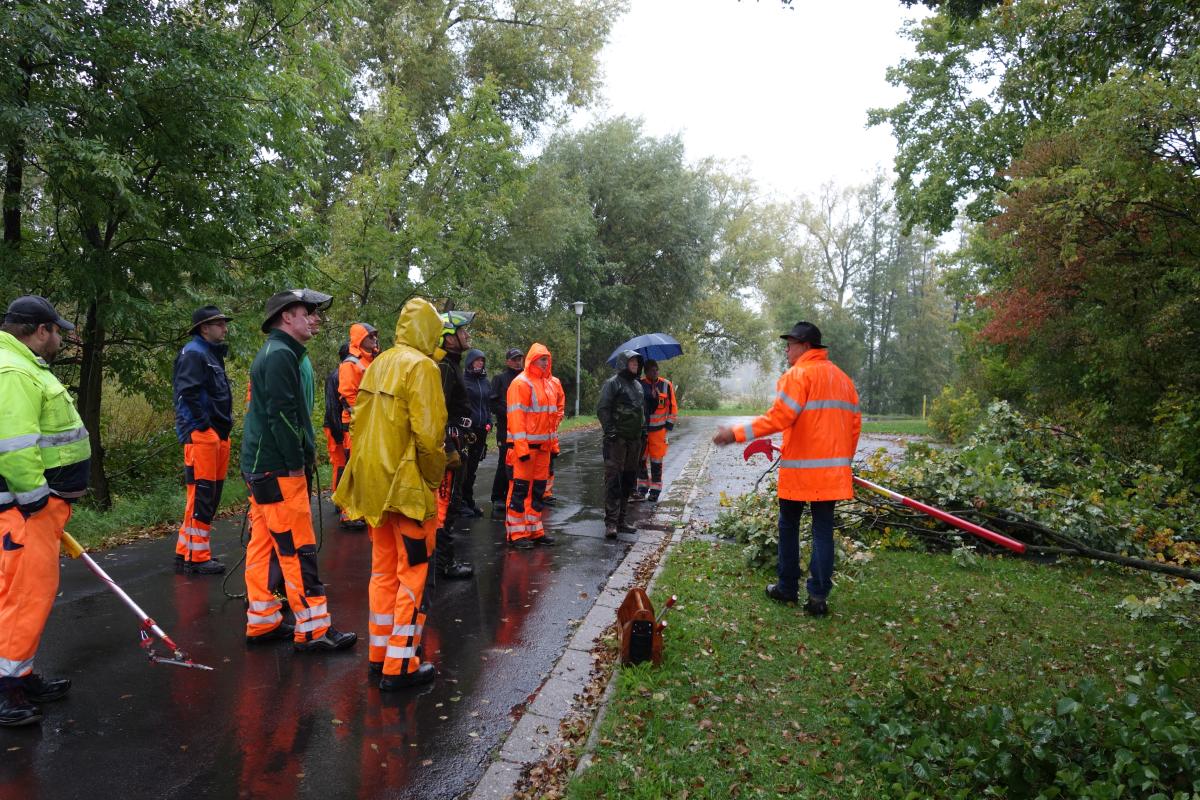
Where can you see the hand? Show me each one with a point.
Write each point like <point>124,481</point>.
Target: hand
<point>453,460</point>
<point>724,436</point>
<point>670,426</point>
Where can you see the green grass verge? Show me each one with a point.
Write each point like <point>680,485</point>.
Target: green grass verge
<point>911,426</point>
<point>752,697</point>
<point>577,423</point>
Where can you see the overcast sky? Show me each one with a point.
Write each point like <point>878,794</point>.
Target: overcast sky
<point>787,90</point>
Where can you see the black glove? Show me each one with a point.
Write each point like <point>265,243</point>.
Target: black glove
<point>29,509</point>
<point>670,426</point>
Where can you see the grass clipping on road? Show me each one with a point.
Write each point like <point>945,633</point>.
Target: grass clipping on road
<point>755,699</point>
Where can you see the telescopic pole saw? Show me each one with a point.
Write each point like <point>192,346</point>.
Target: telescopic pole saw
<point>75,550</point>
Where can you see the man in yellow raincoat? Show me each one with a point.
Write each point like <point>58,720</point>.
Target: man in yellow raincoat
<point>396,465</point>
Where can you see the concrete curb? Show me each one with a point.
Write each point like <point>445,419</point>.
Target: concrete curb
<point>536,734</point>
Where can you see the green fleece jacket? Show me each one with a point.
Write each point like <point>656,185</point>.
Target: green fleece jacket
<point>277,433</point>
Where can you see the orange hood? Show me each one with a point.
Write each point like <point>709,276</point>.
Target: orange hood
<point>358,332</point>
<point>536,351</point>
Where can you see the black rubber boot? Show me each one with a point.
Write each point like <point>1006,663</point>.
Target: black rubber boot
<point>332,640</point>
<point>16,710</point>
<point>545,541</point>
<point>816,608</point>
<point>419,677</point>
<point>210,567</point>
<point>42,690</point>
<point>280,633</point>
<point>625,527</point>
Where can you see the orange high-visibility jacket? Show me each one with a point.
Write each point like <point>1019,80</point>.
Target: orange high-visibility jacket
<point>667,409</point>
<point>560,399</point>
<point>532,406</point>
<point>816,407</point>
<point>351,370</point>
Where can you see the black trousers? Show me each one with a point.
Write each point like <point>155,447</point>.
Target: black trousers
<point>503,476</point>
<point>620,477</point>
<point>473,454</point>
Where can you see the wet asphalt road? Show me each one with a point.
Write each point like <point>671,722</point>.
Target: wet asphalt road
<point>270,723</point>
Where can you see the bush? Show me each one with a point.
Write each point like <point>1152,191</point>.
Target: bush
<point>1176,432</point>
<point>1141,741</point>
<point>954,413</point>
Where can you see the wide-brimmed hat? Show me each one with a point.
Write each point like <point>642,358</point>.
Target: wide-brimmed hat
<point>34,309</point>
<point>206,314</point>
<point>804,332</point>
<point>282,301</point>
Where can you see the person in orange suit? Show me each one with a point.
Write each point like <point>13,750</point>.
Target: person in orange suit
<point>364,345</point>
<point>816,407</point>
<point>662,419</point>
<point>336,435</point>
<point>203,423</point>
<point>532,419</point>
<point>399,461</point>
<point>561,401</point>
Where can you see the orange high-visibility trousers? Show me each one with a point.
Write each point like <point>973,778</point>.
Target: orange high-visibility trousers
<point>653,455</point>
<point>205,463</point>
<point>339,456</point>
<point>284,528</point>
<point>523,518</point>
<point>28,581</point>
<point>400,552</point>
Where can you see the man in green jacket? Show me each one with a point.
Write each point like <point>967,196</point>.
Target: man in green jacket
<point>278,458</point>
<point>44,460</point>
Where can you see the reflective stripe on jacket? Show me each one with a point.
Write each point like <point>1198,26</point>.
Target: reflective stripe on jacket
<point>666,410</point>
<point>44,447</point>
<point>399,426</point>
<point>560,399</point>
<point>532,406</point>
<point>816,407</point>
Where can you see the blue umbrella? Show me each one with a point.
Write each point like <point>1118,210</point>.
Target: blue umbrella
<point>658,346</point>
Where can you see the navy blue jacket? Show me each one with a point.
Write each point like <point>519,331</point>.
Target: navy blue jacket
<point>479,392</point>
<point>202,396</point>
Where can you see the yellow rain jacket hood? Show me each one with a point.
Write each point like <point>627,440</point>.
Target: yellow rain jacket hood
<point>399,427</point>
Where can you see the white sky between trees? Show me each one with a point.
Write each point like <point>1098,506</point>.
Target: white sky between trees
<point>788,91</point>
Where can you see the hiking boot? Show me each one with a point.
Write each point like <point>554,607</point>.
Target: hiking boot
<point>625,527</point>
<point>329,642</point>
<point>210,567</point>
<point>16,710</point>
<point>498,510</point>
<point>455,570</point>
<point>281,632</point>
<point>470,510</point>
<point>374,669</point>
<point>816,608</point>
<point>545,541</point>
<point>637,497</point>
<point>550,501</point>
<point>419,677</point>
<point>353,524</point>
<point>778,595</point>
<point>653,496</point>
<point>522,544</point>
<point>610,531</point>
<point>40,690</point>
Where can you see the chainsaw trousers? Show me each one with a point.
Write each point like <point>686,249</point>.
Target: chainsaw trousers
<point>205,463</point>
<point>523,518</point>
<point>28,582</point>
<point>282,526</point>
<point>400,552</point>
<point>449,498</point>
<point>820,562</point>
<point>339,455</point>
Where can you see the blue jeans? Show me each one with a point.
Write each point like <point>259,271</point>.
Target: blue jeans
<point>820,563</point>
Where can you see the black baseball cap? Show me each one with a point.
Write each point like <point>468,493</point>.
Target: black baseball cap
<point>206,314</point>
<point>804,332</point>
<point>35,310</point>
<point>513,353</point>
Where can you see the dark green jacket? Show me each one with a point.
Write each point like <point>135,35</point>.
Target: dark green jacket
<point>277,433</point>
<point>622,410</point>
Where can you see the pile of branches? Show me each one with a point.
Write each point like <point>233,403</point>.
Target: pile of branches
<point>1042,485</point>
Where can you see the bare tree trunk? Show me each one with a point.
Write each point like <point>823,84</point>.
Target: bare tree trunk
<point>14,169</point>
<point>91,382</point>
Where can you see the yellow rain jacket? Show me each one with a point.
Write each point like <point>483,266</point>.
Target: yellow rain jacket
<point>399,426</point>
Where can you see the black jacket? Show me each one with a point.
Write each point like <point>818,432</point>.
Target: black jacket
<point>202,396</point>
<point>500,385</point>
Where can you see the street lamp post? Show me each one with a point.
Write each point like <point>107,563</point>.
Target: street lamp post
<point>579,304</point>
